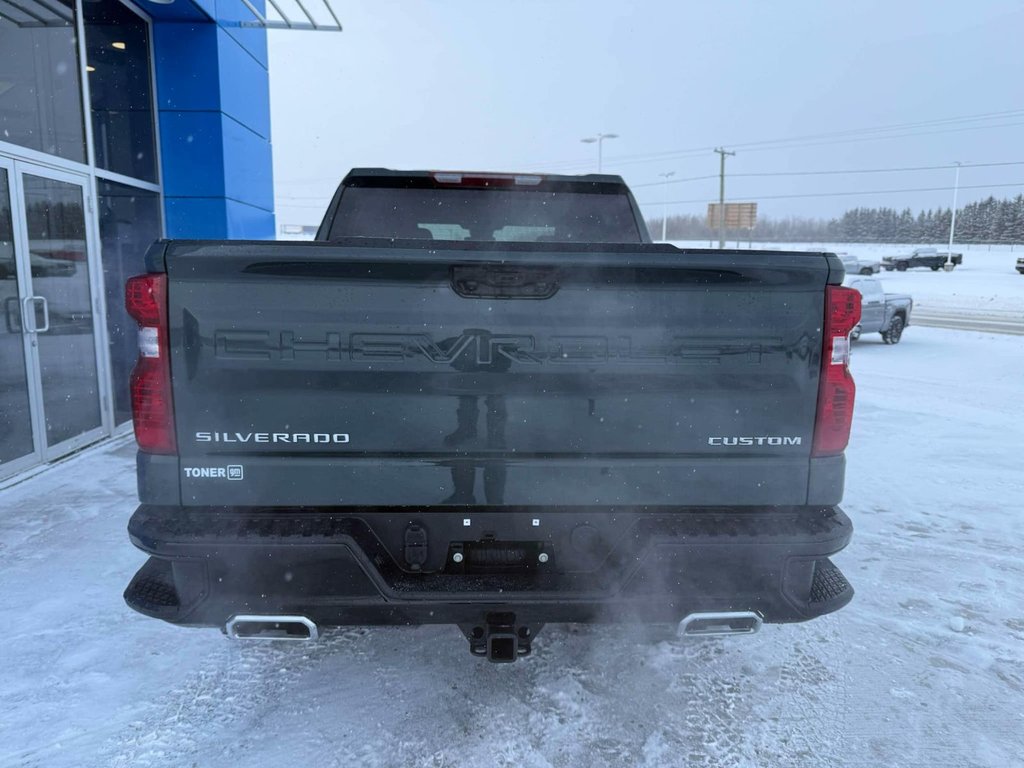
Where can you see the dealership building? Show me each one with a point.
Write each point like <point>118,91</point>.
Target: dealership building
<point>119,123</point>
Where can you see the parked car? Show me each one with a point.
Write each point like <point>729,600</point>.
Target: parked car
<point>881,312</point>
<point>488,400</point>
<point>855,265</point>
<point>932,258</point>
<point>1020,265</point>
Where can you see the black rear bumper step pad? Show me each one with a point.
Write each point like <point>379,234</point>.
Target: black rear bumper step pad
<point>829,583</point>
<point>152,589</point>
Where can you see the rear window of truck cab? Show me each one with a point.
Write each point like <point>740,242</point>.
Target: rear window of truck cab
<point>485,214</point>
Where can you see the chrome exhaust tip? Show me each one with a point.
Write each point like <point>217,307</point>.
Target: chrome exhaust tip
<point>724,623</point>
<point>268,627</point>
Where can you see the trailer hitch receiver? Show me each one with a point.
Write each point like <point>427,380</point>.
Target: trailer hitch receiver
<point>499,638</point>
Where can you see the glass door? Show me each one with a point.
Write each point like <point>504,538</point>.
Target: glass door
<point>56,311</point>
<point>18,445</point>
<point>61,304</point>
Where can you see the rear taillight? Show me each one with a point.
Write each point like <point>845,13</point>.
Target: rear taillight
<point>152,407</point>
<point>836,389</point>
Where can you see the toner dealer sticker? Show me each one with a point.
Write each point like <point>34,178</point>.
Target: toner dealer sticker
<point>230,472</point>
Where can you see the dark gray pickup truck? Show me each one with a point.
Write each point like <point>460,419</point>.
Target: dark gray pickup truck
<point>488,400</point>
<point>922,257</point>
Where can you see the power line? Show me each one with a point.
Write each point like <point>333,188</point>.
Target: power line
<point>836,194</point>
<point>885,170</point>
<point>686,155</point>
<point>832,134</point>
<point>892,127</point>
<point>809,140</point>
<point>841,137</point>
<point>834,173</point>
<point>675,181</point>
<point>891,136</point>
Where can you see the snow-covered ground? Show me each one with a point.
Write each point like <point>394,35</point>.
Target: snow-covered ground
<point>924,668</point>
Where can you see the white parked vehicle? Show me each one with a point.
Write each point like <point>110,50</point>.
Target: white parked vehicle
<point>855,265</point>
<point>881,312</point>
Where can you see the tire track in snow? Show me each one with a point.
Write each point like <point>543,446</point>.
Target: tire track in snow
<point>603,696</point>
<point>237,685</point>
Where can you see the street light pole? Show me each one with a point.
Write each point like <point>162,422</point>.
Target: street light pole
<point>952,221</point>
<point>664,206</point>
<point>721,197</point>
<point>599,139</point>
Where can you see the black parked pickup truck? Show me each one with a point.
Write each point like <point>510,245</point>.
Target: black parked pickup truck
<point>488,400</point>
<point>922,257</point>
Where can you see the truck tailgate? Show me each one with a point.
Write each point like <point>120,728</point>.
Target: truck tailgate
<point>429,373</point>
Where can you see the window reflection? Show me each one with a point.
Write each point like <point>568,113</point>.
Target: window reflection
<point>40,89</point>
<point>120,89</point>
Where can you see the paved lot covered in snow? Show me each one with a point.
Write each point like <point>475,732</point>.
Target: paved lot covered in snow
<point>924,668</point>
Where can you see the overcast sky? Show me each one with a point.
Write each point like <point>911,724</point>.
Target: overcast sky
<point>514,86</point>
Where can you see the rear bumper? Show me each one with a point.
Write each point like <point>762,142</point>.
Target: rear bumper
<point>352,566</point>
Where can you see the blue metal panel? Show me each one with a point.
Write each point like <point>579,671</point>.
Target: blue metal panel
<point>192,150</point>
<point>198,218</point>
<point>216,218</point>
<point>185,55</point>
<point>247,166</point>
<point>244,85</point>
<point>248,222</point>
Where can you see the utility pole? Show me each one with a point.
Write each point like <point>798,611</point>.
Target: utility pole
<point>952,221</point>
<point>721,197</point>
<point>664,207</point>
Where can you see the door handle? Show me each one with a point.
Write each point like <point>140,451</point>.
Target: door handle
<point>30,311</point>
